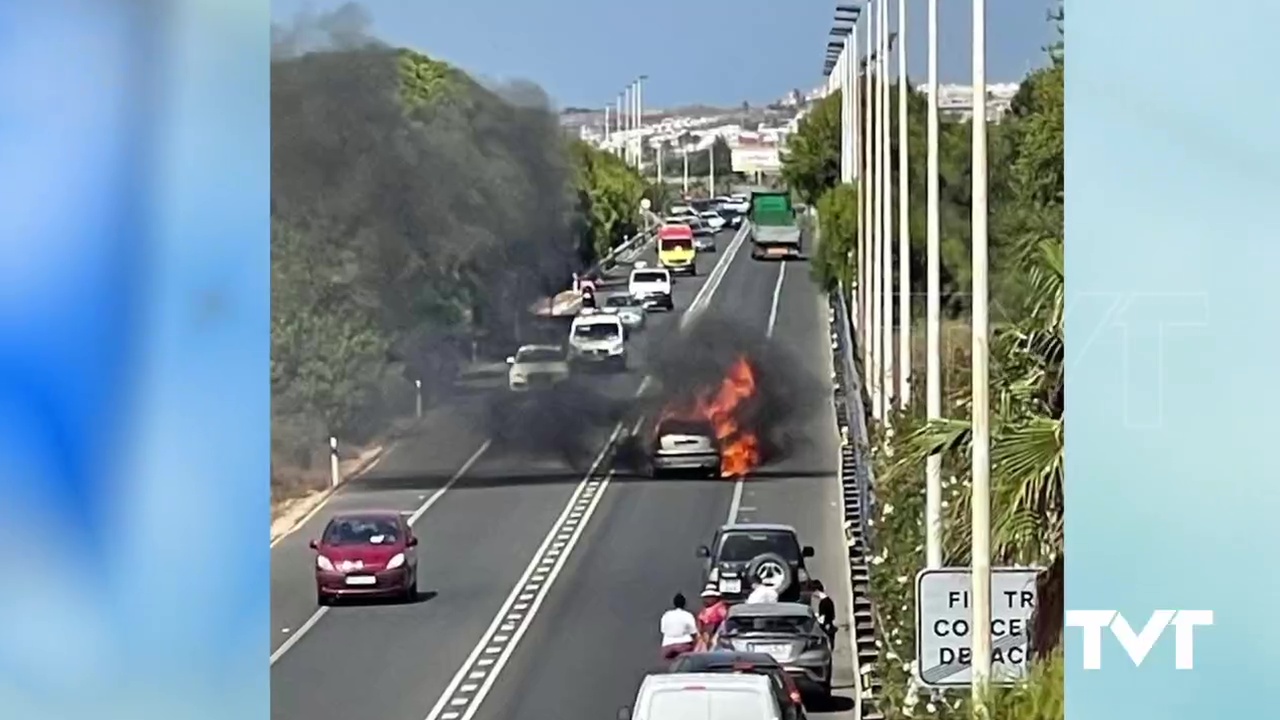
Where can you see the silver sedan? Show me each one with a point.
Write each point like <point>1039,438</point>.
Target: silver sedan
<point>627,308</point>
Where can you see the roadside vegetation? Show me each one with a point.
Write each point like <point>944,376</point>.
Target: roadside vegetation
<point>416,214</point>
<point>1026,165</point>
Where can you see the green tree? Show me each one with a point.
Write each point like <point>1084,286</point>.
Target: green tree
<point>811,163</point>
<point>609,193</point>
<point>838,223</point>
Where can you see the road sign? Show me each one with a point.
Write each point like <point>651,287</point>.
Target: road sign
<point>943,621</point>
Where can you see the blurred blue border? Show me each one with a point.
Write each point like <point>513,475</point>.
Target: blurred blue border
<point>1172,153</point>
<point>134,350</point>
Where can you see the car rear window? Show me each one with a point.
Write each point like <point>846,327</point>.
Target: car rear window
<point>649,277</point>
<point>689,704</point>
<point>539,355</point>
<point>676,243</point>
<point>782,624</point>
<point>686,427</point>
<point>741,546</point>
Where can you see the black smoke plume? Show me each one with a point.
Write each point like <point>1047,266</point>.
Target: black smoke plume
<point>443,218</point>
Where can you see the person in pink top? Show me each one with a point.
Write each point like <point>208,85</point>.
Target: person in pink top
<point>714,611</point>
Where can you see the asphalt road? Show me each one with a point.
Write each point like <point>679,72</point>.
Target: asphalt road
<point>485,505</point>
<point>595,636</point>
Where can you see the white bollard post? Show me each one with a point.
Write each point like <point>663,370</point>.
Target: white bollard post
<point>335,472</point>
<point>417,407</point>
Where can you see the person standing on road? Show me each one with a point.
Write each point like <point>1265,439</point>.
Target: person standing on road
<point>761,593</point>
<point>826,611</point>
<point>714,611</point>
<point>679,629</point>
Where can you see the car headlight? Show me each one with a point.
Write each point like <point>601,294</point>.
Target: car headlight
<point>324,563</point>
<point>396,561</point>
<point>615,349</point>
<point>517,378</point>
<point>714,576</point>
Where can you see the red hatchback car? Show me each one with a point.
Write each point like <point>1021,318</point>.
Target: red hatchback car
<point>366,554</point>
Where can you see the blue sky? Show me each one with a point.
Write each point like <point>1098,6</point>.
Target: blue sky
<point>720,52</point>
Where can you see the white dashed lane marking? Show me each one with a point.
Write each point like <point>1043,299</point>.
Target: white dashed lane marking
<point>465,692</point>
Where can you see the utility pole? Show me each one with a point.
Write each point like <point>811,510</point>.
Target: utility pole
<point>981,420</point>
<point>904,220</point>
<point>933,310</point>
<point>606,125</point>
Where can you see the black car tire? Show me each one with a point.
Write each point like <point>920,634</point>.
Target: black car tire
<point>693,271</point>
<point>754,568</point>
<point>411,589</point>
<point>322,600</point>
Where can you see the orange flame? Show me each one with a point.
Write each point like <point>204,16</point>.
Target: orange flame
<point>739,446</point>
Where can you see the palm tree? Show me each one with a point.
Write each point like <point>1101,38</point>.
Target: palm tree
<point>1027,437</point>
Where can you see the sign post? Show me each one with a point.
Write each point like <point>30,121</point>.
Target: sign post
<point>944,617</point>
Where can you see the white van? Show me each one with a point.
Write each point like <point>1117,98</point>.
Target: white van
<point>596,337</point>
<point>704,696</point>
<point>651,287</point>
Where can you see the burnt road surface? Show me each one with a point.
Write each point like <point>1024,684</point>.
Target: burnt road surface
<point>541,587</point>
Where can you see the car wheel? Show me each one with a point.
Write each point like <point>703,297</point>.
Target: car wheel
<point>693,271</point>
<point>411,589</point>
<point>322,599</point>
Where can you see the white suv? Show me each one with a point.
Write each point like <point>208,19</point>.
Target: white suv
<point>598,338</point>
<point>651,287</point>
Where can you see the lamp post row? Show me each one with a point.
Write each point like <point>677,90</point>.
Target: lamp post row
<point>863,78</point>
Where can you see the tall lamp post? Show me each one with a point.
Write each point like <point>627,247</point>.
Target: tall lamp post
<point>981,420</point>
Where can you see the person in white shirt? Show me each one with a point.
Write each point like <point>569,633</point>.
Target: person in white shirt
<point>679,629</point>
<point>761,593</point>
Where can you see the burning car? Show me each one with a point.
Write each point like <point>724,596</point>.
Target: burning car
<point>684,444</point>
<point>713,419</point>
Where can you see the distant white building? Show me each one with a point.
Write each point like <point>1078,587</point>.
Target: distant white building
<point>956,101</point>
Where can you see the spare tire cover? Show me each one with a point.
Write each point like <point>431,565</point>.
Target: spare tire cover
<point>771,570</point>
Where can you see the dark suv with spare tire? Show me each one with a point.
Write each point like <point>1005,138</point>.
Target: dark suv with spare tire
<point>743,552</point>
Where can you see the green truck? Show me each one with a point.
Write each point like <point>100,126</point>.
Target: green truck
<point>774,232</point>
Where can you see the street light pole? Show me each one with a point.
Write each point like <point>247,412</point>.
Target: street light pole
<point>981,453</point>
<point>684,148</point>
<point>904,220</point>
<point>877,225</point>
<point>864,217</point>
<point>622,139</point>
<point>933,309</point>
<point>887,388</point>
<point>640,121</point>
<point>606,125</point>
<point>846,163</point>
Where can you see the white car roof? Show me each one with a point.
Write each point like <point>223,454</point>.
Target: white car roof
<point>597,319</point>
<point>664,271</point>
